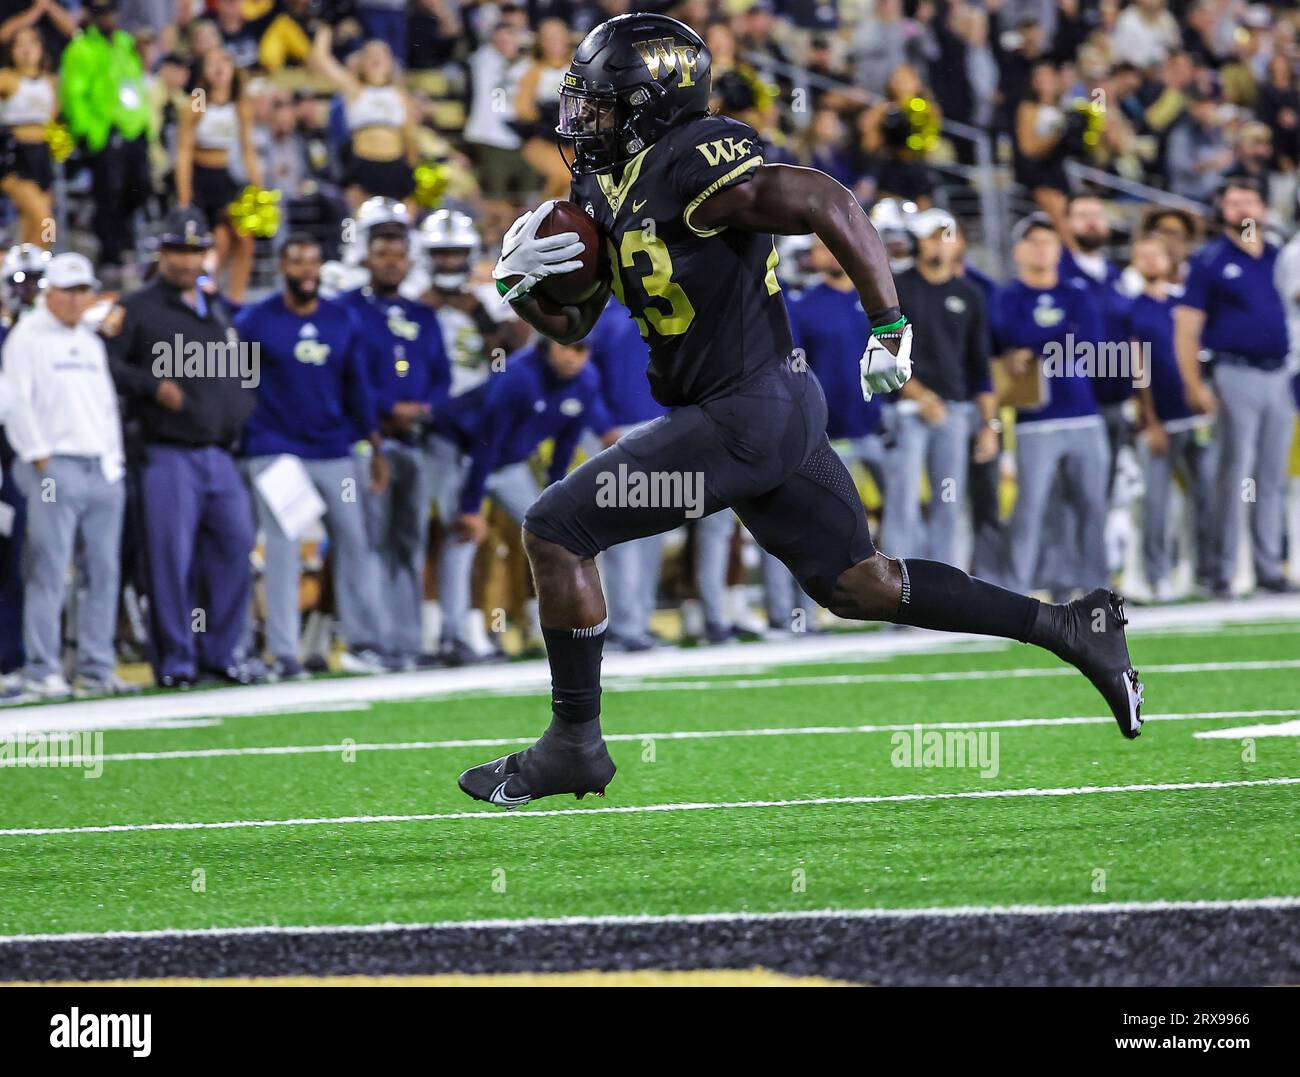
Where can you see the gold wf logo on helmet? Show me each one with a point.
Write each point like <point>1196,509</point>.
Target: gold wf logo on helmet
<point>664,52</point>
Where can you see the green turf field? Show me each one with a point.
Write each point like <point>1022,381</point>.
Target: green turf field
<point>804,806</point>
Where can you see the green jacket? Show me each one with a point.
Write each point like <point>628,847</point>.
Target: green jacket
<point>102,89</point>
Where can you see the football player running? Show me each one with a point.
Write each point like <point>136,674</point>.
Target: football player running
<point>689,210</point>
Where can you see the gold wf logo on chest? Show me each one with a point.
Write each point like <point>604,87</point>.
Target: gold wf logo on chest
<point>664,54</point>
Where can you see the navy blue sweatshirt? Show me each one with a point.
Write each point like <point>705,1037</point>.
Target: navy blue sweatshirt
<point>315,394</point>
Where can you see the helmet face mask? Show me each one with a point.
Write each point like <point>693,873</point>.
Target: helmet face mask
<point>632,79</point>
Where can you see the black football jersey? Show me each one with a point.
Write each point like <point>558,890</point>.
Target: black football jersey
<point>706,300</point>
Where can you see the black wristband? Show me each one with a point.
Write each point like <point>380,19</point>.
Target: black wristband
<point>885,317</point>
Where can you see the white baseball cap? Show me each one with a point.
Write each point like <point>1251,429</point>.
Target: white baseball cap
<point>929,221</point>
<point>70,270</point>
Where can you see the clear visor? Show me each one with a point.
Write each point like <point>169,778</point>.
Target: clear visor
<point>584,115</point>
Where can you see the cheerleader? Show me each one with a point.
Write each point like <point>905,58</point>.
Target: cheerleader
<point>537,106</point>
<point>27,103</point>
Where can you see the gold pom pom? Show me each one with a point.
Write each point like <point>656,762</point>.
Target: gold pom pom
<point>256,212</point>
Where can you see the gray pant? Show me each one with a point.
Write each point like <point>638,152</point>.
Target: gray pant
<point>1080,456</point>
<point>1255,427</point>
<point>941,451</point>
<point>630,573</point>
<point>515,490</point>
<point>1191,457</point>
<point>402,540</point>
<point>341,484</point>
<point>70,501</point>
<point>712,554</point>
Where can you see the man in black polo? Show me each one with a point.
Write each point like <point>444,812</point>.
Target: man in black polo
<point>189,385</point>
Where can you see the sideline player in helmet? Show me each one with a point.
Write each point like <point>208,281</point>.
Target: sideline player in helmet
<point>689,209</point>
<point>21,277</point>
<point>347,273</point>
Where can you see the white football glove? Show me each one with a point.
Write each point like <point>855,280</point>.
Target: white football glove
<point>524,255</point>
<point>882,370</point>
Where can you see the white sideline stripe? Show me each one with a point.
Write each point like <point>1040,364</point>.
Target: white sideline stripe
<point>954,912</point>
<point>1275,729</point>
<point>1026,672</point>
<point>535,675</point>
<point>895,798</point>
<point>704,734</point>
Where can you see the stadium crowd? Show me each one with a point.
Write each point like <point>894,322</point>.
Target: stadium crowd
<point>218,419</point>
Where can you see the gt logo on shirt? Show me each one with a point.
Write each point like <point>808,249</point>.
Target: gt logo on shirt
<point>725,149</point>
<point>313,352</point>
<point>402,326</point>
<point>663,52</point>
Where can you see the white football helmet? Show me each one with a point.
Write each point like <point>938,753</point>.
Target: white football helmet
<point>372,212</point>
<point>22,276</point>
<point>452,245</point>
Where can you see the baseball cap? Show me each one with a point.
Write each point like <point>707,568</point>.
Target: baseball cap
<point>70,270</point>
<point>1029,224</point>
<point>187,228</point>
<point>929,221</point>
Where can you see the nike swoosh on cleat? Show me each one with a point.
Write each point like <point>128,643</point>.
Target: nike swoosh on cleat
<point>500,798</point>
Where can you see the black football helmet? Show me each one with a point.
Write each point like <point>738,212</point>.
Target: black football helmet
<point>631,80</point>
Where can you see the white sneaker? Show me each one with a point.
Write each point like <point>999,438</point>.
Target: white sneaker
<point>112,685</point>
<point>51,686</point>
<point>476,635</point>
<point>363,661</point>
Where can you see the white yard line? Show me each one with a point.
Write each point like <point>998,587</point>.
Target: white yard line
<point>956,912</point>
<point>534,676</point>
<point>1274,729</point>
<point>896,798</point>
<point>339,748</point>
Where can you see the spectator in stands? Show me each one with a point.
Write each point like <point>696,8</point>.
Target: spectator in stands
<point>385,21</point>
<point>494,143</point>
<point>288,37</point>
<point>280,149</point>
<point>64,426</point>
<point>1231,306</point>
<point>883,40</point>
<point>537,106</point>
<point>27,104</point>
<point>1253,157</point>
<point>214,133</point>
<point>1175,442</point>
<point>195,523</point>
<point>315,394</point>
<point>1197,154</point>
<point>1278,108</point>
<point>103,97</point>
<point>898,133</point>
<point>1145,33</point>
<point>1040,147</point>
<point>239,36</point>
<point>381,119</point>
<point>50,19</point>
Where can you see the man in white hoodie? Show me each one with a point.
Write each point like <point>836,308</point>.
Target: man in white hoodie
<point>66,433</point>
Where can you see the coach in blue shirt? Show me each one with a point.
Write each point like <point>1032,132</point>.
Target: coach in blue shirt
<point>1040,319</point>
<point>315,394</point>
<point>411,376</point>
<point>1232,308</point>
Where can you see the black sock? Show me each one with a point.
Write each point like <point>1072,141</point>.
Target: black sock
<point>574,654</point>
<point>939,596</point>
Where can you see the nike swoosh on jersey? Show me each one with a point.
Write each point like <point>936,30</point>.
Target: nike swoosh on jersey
<point>636,206</point>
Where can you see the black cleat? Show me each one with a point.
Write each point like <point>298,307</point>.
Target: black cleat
<point>1090,636</point>
<point>556,764</point>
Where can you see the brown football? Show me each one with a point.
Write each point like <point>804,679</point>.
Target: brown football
<point>578,284</point>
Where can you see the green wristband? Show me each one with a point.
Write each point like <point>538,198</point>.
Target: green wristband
<point>892,327</point>
<point>502,288</point>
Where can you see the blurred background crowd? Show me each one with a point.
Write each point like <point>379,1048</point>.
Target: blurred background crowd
<point>329,180</point>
